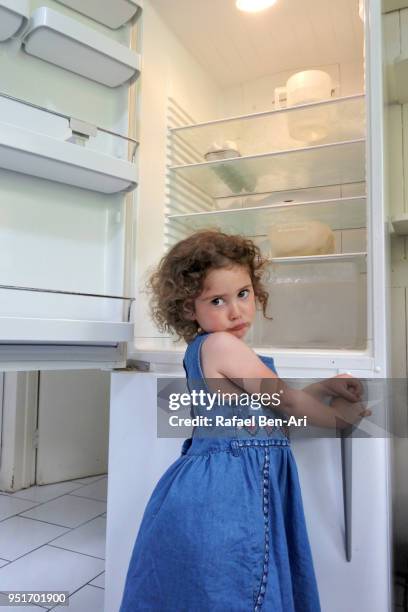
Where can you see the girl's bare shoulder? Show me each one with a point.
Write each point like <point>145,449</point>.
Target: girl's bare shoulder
<point>226,355</point>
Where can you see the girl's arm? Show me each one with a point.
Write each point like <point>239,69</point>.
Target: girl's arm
<point>342,385</point>
<point>224,355</point>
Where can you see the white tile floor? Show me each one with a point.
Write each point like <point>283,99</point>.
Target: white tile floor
<point>52,538</point>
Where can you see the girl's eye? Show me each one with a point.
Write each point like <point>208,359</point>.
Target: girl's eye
<point>244,293</point>
<point>217,301</point>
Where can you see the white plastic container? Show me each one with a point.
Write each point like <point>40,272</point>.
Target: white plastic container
<point>309,124</point>
<point>308,86</point>
<point>300,238</point>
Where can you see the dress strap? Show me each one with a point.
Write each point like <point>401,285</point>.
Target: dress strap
<point>192,358</point>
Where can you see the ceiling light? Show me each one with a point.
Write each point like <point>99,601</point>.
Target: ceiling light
<point>253,6</point>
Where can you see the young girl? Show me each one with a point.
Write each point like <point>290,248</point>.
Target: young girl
<point>224,529</point>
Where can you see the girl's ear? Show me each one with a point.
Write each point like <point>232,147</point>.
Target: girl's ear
<point>188,311</point>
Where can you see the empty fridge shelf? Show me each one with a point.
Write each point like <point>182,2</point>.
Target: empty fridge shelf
<point>319,258</point>
<point>338,213</point>
<point>343,119</point>
<point>328,164</point>
<point>52,315</point>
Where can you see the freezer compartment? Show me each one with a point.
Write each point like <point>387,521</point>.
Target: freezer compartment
<point>315,302</point>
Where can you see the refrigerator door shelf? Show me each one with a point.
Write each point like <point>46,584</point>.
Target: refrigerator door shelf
<point>23,330</point>
<point>112,14</point>
<point>13,17</point>
<point>63,41</point>
<point>29,315</point>
<point>64,162</point>
<point>65,356</point>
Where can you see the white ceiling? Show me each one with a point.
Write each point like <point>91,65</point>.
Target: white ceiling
<point>293,34</point>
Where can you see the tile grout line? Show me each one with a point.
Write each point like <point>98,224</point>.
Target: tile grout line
<point>15,496</point>
<point>85,497</point>
<point>37,505</point>
<point>73,593</point>
<point>29,518</point>
<point>75,551</point>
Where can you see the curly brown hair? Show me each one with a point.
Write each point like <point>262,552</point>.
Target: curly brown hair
<point>179,277</point>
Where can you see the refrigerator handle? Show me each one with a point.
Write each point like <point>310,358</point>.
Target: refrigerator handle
<point>346,468</point>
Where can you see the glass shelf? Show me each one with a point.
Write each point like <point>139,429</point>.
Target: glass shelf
<point>317,166</point>
<point>338,213</point>
<point>336,120</point>
<point>358,259</point>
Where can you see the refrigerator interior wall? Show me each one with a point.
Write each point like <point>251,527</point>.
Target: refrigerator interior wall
<point>55,236</point>
<point>168,70</point>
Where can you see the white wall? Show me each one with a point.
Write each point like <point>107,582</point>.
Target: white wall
<point>168,70</point>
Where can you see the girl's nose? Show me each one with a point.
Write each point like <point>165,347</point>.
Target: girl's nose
<point>234,311</point>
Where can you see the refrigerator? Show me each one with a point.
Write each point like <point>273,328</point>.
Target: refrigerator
<point>124,127</point>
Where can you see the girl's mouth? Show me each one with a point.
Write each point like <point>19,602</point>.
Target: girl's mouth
<point>238,327</point>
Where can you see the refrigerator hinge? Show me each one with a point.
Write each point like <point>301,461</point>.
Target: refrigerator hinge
<point>135,365</point>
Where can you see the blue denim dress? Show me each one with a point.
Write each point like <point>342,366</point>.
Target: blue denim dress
<point>224,530</point>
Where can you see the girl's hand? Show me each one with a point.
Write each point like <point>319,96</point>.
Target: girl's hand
<point>348,413</point>
<point>345,386</point>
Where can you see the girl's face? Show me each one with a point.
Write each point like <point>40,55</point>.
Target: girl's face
<point>227,302</point>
